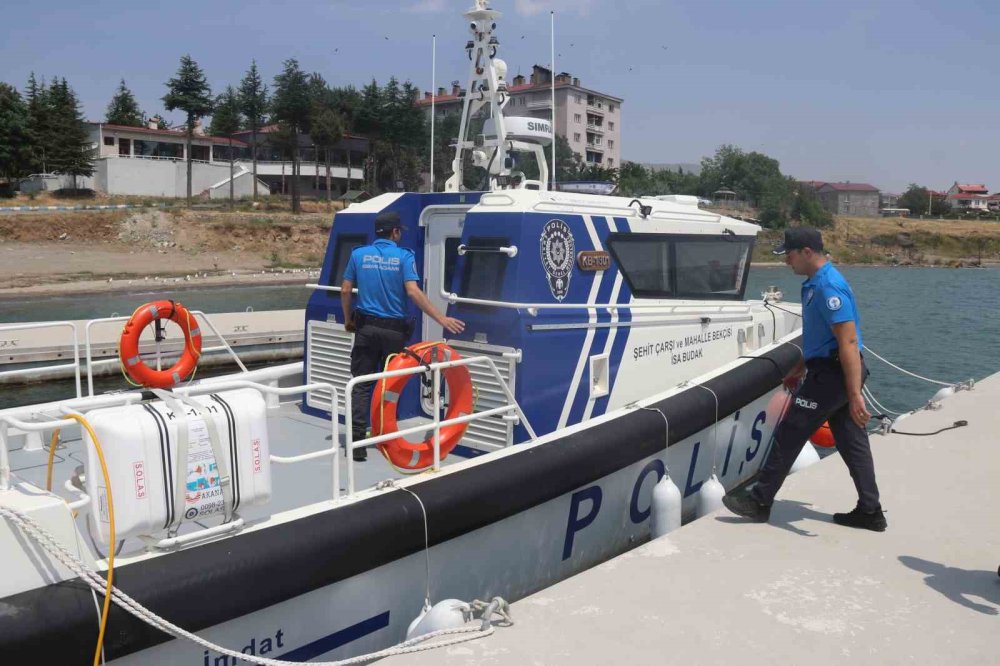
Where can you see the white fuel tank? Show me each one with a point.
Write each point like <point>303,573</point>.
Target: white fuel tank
<point>140,448</point>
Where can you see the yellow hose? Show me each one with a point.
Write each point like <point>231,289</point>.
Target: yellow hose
<point>111,532</point>
<point>53,443</point>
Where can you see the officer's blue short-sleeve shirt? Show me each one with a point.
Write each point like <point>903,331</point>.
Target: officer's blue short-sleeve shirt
<point>380,271</point>
<point>827,299</point>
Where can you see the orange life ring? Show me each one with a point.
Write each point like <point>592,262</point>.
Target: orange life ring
<point>128,345</point>
<point>823,436</point>
<point>410,455</point>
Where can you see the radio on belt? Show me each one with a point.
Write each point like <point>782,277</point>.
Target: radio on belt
<point>141,444</point>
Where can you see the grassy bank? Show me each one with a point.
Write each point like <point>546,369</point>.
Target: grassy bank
<point>904,242</point>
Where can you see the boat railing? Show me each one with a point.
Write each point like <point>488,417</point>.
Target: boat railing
<point>534,308</point>
<point>435,370</point>
<point>198,314</point>
<point>74,366</point>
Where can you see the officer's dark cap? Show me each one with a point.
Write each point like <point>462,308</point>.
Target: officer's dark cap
<point>799,238</point>
<point>387,221</point>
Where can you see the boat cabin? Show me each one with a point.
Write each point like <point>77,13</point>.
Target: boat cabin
<point>585,302</point>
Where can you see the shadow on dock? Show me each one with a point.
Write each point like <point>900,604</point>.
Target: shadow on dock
<point>958,584</point>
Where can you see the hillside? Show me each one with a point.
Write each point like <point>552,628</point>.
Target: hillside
<point>902,241</point>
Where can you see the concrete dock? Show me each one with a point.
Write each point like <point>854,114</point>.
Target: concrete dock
<point>801,589</point>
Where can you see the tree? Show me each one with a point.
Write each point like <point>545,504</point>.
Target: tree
<point>189,92</point>
<point>292,107</point>
<point>72,152</point>
<point>226,121</point>
<point>40,124</point>
<point>253,106</point>
<point>921,200</point>
<point>123,109</point>
<point>15,153</point>
<point>327,131</point>
<point>807,209</point>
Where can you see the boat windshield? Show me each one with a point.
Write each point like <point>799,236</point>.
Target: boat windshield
<point>683,266</point>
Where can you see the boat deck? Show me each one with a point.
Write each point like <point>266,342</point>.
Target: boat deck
<point>290,433</point>
<point>800,589</point>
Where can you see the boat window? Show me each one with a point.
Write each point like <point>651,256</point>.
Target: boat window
<point>710,268</point>
<point>484,270</point>
<point>346,243</point>
<point>683,266</point>
<point>645,263</point>
<point>450,259</point>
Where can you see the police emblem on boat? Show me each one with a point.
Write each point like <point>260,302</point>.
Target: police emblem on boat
<point>558,252</point>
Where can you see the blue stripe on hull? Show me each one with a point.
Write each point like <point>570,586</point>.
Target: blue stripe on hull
<point>310,651</point>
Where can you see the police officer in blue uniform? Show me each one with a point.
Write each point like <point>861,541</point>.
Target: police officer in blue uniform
<point>831,391</point>
<point>385,275</point>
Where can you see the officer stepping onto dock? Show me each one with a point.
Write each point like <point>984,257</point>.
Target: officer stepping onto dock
<point>831,391</point>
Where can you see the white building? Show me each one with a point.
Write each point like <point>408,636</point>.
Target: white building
<point>145,161</point>
<point>590,120</point>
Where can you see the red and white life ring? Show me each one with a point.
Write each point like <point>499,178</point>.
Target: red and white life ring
<point>128,345</point>
<point>399,451</point>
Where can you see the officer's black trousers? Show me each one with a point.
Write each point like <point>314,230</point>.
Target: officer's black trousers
<point>372,346</point>
<point>822,397</point>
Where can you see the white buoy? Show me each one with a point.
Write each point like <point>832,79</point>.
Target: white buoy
<point>807,456</point>
<point>665,507</point>
<point>943,393</point>
<point>447,614</point>
<point>709,497</point>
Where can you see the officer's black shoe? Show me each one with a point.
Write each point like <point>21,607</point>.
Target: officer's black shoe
<point>745,505</point>
<point>360,455</point>
<point>874,521</point>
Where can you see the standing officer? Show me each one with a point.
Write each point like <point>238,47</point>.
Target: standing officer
<point>385,274</point>
<point>831,391</point>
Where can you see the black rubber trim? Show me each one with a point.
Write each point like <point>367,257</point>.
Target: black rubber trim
<point>226,579</point>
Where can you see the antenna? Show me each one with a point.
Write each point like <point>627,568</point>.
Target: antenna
<point>552,79</point>
<point>433,96</point>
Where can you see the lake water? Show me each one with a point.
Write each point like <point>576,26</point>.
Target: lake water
<point>937,322</point>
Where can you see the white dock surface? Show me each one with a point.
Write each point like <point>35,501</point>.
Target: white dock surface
<point>801,589</point>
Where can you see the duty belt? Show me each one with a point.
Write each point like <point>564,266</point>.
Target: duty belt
<point>363,319</point>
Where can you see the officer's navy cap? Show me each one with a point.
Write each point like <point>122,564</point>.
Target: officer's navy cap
<point>387,221</point>
<point>800,238</point>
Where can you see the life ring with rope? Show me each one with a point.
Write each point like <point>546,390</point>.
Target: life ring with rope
<point>128,346</point>
<point>385,398</point>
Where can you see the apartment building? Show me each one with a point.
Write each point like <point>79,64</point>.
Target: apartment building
<point>590,120</point>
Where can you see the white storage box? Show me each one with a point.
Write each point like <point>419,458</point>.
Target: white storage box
<point>140,448</point>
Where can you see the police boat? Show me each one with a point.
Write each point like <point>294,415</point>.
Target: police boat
<point>608,347</point>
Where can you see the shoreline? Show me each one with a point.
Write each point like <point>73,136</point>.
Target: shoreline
<point>134,286</point>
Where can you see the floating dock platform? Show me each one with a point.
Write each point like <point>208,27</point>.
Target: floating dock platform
<point>801,589</point>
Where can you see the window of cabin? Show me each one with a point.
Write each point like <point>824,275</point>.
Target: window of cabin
<point>484,270</point>
<point>711,268</point>
<point>346,243</point>
<point>683,266</point>
<point>450,260</point>
<point>644,260</point>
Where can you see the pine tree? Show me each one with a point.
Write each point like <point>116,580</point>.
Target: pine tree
<point>189,92</point>
<point>253,106</point>
<point>327,131</point>
<point>72,152</point>
<point>226,121</point>
<point>39,124</point>
<point>291,107</point>
<point>15,154</point>
<point>123,109</point>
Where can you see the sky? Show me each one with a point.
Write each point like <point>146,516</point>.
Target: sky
<point>881,91</point>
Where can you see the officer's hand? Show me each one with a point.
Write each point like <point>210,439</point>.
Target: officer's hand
<point>349,326</point>
<point>859,413</point>
<point>453,325</point>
